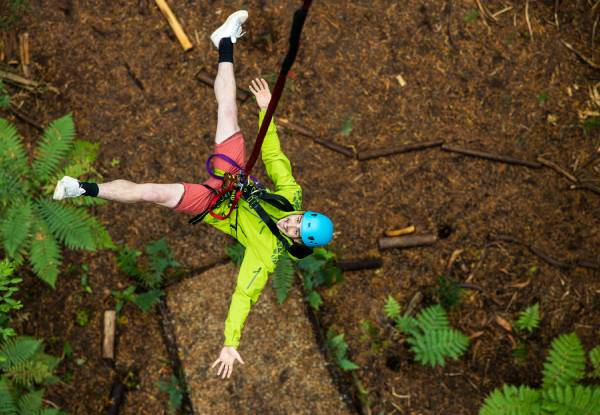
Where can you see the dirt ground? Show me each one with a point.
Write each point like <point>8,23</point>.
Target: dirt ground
<point>489,86</point>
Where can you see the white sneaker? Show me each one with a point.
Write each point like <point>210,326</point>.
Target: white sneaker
<point>67,187</point>
<point>232,28</point>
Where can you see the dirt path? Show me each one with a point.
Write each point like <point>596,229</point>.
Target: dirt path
<point>284,373</point>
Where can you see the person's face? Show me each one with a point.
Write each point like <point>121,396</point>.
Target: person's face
<point>290,226</point>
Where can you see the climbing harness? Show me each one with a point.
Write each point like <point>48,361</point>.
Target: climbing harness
<point>245,186</point>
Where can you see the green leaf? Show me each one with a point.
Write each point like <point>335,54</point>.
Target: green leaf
<point>433,318</point>
<point>595,359</point>
<point>565,364</point>
<point>569,400</point>
<point>12,154</point>
<point>347,126</point>
<point>15,227</point>
<point>146,300</point>
<point>529,319</point>
<point>19,350</point>
<point>511,400</point>
<point>392,308</point>
<point>434,346</point>
<point>283,277</point>
<point>161,257</point>
<point>346,364</point>
<point>54,146</point>
<point>314,299</point>
<point>72,226</point>
<point>236,253</point>
<point>127,261</point>
<point>31,403</point>
<point>44,253</point>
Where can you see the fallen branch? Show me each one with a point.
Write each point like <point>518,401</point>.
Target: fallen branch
<point>108,342</point>
<point>117,396</point>
<point>24,53</point>
<point>407,241</point>
<point>174,23</point>
<point>345,150</point>
<point>133,76</point>
<point>359,264</point>
<point>366,155</point>
<point>489,156</point>
<point>581,55</point>
<point>24,117</point>
<point>557,168</point>
<point>546,257</point>
<point>209,80</point>
<point>168,335</point>
<point>586,186</point>
<point>527,19</point>
<point>19,81</point>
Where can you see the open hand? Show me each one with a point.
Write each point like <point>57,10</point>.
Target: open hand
<point>260,89</point>
<point>227,357</point>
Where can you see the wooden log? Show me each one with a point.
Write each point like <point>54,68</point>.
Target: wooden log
<point>108,342</point>
<point>209,80</point>
<point>174,23</point>
<point>406,241</point>
<point>366,155</point>
<point>490,156</point>
<point>359,264</point>
<point>24,53</point>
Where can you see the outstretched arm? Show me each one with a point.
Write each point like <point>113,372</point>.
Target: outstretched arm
<point>276,163</point>
<point>250,283</point>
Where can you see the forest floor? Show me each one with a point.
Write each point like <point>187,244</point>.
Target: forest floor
<point>506,85</point>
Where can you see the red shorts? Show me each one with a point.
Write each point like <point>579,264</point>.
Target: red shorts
<point>196,197</point>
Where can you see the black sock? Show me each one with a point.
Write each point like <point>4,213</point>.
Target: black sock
<point>91,189</point>
<point>225,50</point>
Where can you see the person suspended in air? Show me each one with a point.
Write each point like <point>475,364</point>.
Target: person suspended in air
<point>267,223</point>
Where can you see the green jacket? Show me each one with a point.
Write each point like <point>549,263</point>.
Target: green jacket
<point>262,248</point>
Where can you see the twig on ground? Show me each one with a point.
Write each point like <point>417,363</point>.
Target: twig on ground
<point>482,13</point>
<point>407,241</point>
<point>414,302</point>
<point>499,12</point>
<point>24,53</point>
<point>366,155</point>
<point>345,150</point>
<point>495,157</point>
<point>527,19</point>
<point>175,25</point>
<point>335,147</point>
<point>24,117</point>
<point>546,257</point>
<point>359,264</point>
<point>133,76</point>
<point>556,13</point>
<point>448,12</point>
<point>581,55</point>
<point>586,186</point>
<point>557,168</point>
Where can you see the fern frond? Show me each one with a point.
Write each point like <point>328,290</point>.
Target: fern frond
<point>434,346</point>
<point>565,364</point>
<point>146,300</point>
<point>18,350</point>
<point>511,400</point>
<point>236,253</point>
<point>283,277</point>
<point>53,148</point>
<point>12,153</point>
<point>8,400</point>
<point>569,400</point>
<point>408,325</point>
<point>15,227</point>
<point>12,188</point>
<point>44,253</point>
<point>72,226</point>
<point>392,308</point>
<point>81,158</point>
<point>595,359</point>
<point>433,318</point>
<point>29,373</point>
<point>529,319</point>
<point>31,403</point>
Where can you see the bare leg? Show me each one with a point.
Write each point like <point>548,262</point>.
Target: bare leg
<point>227,122</point>
<point>128,192</point>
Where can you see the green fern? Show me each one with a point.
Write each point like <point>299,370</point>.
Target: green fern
<point>70,225</point>
<point>56,143</point>
<point>29,373</point>
<point>565,364</point>
<point>431,337</point>
<point>146,300</point>
<point>44,253</point>
<point>15,227</point>
<point>392,308</point>
<point>569,400</point>
<point>511,400</point>
<point>12,153</point>
<point>529,319</point>
<point>595,359</point>
<point>8,398</point>
<point>339,347</point>
<point>31,403</point>
<point>18,350</point>
<point>433,347</point>
<point>283,277</point>
<point>236,253</point>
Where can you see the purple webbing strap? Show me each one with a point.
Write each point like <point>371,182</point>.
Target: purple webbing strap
<point>229,160</point>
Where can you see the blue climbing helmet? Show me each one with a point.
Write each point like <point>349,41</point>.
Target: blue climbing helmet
<point>316,229</point>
